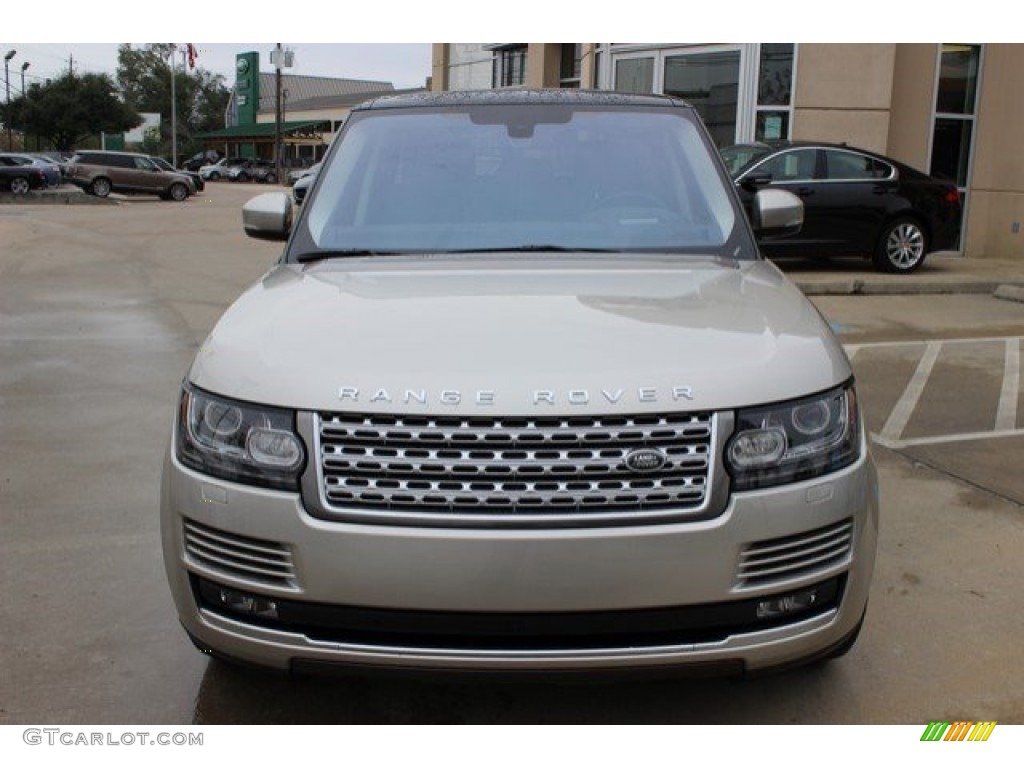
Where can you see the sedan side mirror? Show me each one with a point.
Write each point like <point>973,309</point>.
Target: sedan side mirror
<point>756,180</point>
<point>777,213</point>
<point>268,216</point>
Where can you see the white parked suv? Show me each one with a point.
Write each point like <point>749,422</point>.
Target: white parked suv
<point>521,394</point>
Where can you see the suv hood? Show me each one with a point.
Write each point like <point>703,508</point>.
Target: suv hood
<point>520,336</point>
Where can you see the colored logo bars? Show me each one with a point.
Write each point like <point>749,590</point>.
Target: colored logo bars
<point>961,730</point>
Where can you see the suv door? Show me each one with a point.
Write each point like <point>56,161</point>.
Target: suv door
<point>147,177</point>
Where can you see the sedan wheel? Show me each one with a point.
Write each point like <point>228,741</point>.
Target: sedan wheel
<point>902,247</point>
<point>19,186</point>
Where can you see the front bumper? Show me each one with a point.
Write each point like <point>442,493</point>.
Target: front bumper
<point>550,578</point>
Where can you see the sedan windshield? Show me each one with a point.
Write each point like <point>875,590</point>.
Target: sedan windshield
<point>521,178</point>
<point>739,156</point>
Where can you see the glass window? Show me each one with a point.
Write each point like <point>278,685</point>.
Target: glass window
<point>710,82</point>
<point>508,177</point>
<point>772,124</point>
<point>634,75</point>
<point>852,166</point>
<point>143,164</point>
<point>775,75</point>
<point>509,67</point>
<point>951,150</point>
<point>571,65</point>
<point>797,165</point>
<point>958,79</point>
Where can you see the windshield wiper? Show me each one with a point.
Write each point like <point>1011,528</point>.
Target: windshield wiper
<point>343,253</point>
<point>534,248</point>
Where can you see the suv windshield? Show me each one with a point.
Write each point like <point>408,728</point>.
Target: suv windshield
<point>534,177</point>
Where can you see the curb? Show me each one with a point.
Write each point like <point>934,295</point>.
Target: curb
<point>58,197</point>
<point>871,288</point>
<point>1010,293</point>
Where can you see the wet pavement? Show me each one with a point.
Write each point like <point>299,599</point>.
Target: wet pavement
<point>101,310</point>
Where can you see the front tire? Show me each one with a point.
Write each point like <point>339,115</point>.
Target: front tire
<point>20,186</point>
<point>902,246</point>
<point>178,192</point>
<point>100,187</point>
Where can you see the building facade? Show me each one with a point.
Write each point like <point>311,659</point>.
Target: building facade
<point>950,109</point>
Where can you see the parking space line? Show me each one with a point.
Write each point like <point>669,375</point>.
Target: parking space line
<point>1006,415</point>
<point>938,440</point>
<point>904,409</point>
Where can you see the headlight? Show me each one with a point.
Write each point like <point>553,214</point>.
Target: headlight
<point>794,441</point>
<point>238,441</point>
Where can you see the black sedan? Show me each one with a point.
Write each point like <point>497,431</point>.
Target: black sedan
<point>855,202</point>
<point>18,177</point>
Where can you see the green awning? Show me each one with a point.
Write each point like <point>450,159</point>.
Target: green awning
<point>261,130</point>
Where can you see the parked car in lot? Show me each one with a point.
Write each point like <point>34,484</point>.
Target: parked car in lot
<point>102,172</point>
<point>50,170</point>
<point>521,394</point>
<point>219,170</point>
<point>262,171</point>
<point>198,160</point>
<point>197,180</point>
<point>303,184</point>
<point>18,177</point>
<point>297,173</point>
<point>855,202</point>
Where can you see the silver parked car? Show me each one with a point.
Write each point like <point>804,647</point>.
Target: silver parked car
<point>521,394</point>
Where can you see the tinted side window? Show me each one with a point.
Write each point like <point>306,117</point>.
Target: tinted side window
<point>797,165</point>
<point>143,164</point>
<point>850,166</point>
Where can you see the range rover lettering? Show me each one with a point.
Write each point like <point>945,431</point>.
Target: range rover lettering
<point>521,394</point>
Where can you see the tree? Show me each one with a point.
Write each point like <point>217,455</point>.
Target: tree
<point>70,109</point>
<point>144,77</point>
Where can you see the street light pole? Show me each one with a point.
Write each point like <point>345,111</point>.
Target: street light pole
<point>7,80</point>
<point>174,112</point>
<point>278,62</point>
<point>23,68</point>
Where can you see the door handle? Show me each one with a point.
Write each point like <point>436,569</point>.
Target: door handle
<point>804,191</point>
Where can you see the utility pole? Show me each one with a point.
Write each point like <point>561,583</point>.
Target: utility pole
<point>281,59</point>
<point>278,62</point>
<point>7,82</point>
<point>174,112</point>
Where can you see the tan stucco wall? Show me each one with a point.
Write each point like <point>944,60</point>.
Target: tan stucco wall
<point>997,184</point>
<point>843,93</point>
<point>439,66</point>
<point>867,129</point>
<point>543,61</point>
<point>913,96</point>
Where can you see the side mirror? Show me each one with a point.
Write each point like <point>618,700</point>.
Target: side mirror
<point>756,180</point>
<point>268,217</point>
<point>776,213</point>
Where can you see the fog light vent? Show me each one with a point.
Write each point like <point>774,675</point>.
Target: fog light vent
<point>786,605</point>
<point>247,604</point>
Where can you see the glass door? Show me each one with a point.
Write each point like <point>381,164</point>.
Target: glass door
<point>718,80</point>
<point>711,83</point>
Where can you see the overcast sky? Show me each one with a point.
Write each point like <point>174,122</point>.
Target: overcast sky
<point>406,65</point>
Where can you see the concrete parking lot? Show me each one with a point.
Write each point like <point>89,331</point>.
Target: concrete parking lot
<point>101,310</point>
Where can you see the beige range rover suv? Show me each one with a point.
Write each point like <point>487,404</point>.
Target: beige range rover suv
<point>521,394</point>
<point>101,172</point>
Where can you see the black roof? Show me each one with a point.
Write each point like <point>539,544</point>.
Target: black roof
<point>519,96</point>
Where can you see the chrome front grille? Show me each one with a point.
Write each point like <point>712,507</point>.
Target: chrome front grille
<point>512,468</point>
<point>795,556</point>
<point>259,560</point>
